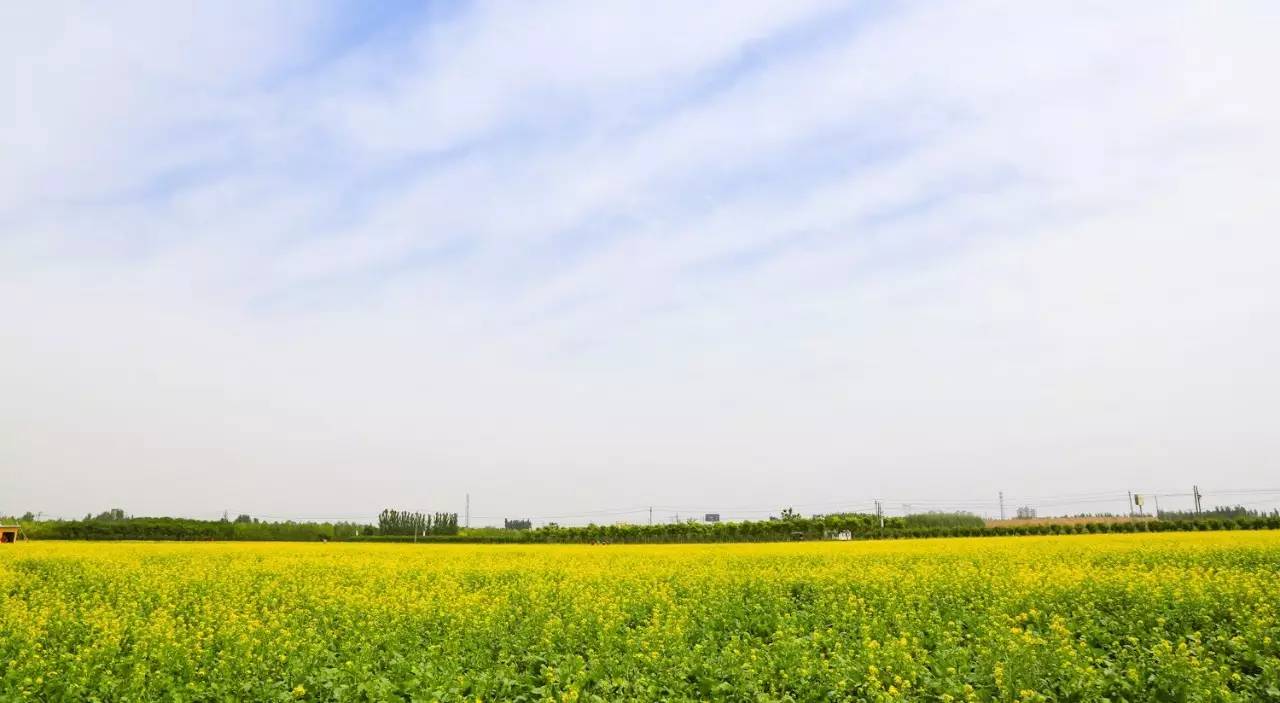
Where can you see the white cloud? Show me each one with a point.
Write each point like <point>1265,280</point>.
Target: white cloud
<point>569,256</point>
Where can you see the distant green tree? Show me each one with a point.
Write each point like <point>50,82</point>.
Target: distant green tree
<point>1218,512</point>
<point>936,519</point>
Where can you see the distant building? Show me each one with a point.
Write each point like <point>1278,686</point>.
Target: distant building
<point>1026,512</point>
<point>711,517</point>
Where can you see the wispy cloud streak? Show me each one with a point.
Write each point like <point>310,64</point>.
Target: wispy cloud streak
<point>544,249</point>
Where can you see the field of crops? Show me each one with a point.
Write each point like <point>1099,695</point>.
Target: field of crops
<point>1167,617</point>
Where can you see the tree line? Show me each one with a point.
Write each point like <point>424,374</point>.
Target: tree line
<point>171,528</point>
<point>402,522</point>
<point>403,526</point>
<point>1219,512</point>
<point>864,527</point>
<point>115,524</point>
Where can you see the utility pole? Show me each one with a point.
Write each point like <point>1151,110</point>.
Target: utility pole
<point>1001,505</point>
<point>468,518</point>
<point>1153,495</point>
<point>650,514</point>
<point>1130,503</point>
<point>880,514</point>
<point>1195,491</point>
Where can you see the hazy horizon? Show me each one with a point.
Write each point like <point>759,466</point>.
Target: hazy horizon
<point>318,259</point>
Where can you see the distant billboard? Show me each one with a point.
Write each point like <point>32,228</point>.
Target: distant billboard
<point>711,517</point>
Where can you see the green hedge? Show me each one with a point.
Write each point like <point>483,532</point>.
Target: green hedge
<point>515,537</point>
<point>182,529</point>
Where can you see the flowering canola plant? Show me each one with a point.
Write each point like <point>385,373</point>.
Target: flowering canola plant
<point>1145,617</point>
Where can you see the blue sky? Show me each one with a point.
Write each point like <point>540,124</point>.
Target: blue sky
<point>319,259</point>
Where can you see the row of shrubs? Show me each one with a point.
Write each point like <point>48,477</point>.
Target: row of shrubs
<point>481,537</point>
<point>168,528</point>
<point>1261,523</point>
<point>816,529</point>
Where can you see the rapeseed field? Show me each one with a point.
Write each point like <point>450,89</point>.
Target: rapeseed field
<point>1146,617</point>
